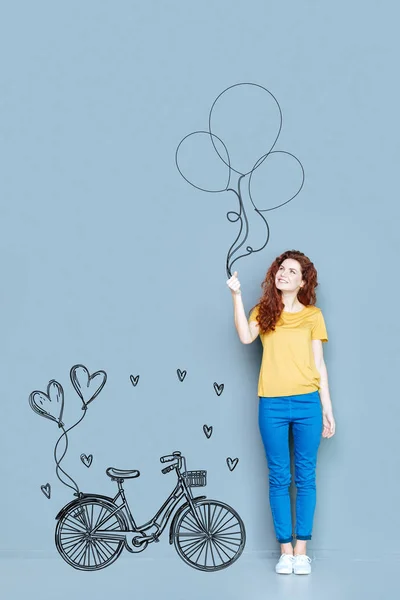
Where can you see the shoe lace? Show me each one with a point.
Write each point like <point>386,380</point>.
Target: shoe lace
<point>302,558</point>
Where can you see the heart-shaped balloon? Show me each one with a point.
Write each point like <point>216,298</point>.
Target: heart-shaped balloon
<point>50,404</point>
<point>87,386</point>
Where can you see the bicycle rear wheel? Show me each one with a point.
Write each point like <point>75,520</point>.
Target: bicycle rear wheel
<point>73,535</point>
<point>216,543</point>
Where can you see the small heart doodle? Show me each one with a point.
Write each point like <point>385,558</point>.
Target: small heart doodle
<point>208,430</point>
<point>232,463</point>
<point>134,380</point>
<point>181,374</point>
<point>87,460</point>
<point>46,489</point>
<point>218,388</point>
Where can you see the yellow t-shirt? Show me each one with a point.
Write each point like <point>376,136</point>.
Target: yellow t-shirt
<point>288,366</point>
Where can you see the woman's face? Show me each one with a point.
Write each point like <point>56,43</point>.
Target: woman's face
<point>288,277</point>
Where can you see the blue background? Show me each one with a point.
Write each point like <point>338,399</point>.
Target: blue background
<point>110,259</point>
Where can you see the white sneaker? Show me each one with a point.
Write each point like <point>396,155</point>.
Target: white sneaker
<point>285,564</point>
<point>302,564</point>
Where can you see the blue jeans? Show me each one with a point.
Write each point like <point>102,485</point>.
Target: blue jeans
<point>304,412</point>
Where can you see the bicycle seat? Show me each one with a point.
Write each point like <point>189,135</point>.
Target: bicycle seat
<point>118,474</point>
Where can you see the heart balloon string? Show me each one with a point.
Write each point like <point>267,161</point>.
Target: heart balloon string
<point>50,405</point>
<point>58,460</point>
<point>197,149</point>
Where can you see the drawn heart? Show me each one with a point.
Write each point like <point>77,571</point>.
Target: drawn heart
<point>208,430</point>
<point>87,386</point>
<point>181,374</point>
<point>50,404</point>
<point>46,489</point>
<point>232,463</point>
<point>134,380</point>
<point>87,460</point>
<point>218,388</point>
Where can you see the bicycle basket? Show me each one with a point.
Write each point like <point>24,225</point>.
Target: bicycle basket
<point>195,478</point>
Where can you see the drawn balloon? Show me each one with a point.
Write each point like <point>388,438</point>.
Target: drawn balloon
<point>279,178</point>
<point>244,124</point>
<point>87,386</point>
<point>200,164</point>
<point>249,120</point>
<point>49,404</point>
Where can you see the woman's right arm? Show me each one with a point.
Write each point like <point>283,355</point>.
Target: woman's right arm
<point>247,332</point>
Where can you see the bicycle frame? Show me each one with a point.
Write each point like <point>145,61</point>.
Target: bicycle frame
<point>180,491</point>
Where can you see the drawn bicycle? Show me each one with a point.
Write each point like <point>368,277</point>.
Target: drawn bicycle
<point>92,530</point>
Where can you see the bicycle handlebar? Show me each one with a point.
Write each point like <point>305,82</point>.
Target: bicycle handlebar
<point>167,469</point>
<point>169,457</point>
<point>175,456</point>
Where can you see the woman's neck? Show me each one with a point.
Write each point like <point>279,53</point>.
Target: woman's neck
<point>292,305</point>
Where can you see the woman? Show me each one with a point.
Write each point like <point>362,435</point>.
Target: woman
<point>292,386</point>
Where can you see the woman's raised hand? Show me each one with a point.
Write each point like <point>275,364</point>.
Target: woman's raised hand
<point>234,284</point>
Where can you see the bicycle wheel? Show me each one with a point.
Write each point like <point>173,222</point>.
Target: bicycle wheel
<point>214,545</point>
<point>74,540</point>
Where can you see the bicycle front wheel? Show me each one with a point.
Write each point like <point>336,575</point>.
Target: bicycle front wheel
<point>74,540</point>
<point>213,540</point>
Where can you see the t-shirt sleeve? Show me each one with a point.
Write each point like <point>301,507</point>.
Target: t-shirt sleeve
<point>318,331</point>
<point>253,314</point>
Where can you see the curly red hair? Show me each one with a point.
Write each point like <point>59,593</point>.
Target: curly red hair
<point>271,303</point>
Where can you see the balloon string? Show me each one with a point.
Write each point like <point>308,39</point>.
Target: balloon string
<point>239,215</point>
<point>58,468</point>
<point>58,460</point>
<point>249,248</point>
<point>232,250</point>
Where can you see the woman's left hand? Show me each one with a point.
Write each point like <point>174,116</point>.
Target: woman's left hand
<point>329,424</point>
